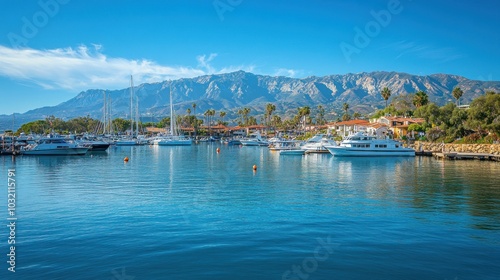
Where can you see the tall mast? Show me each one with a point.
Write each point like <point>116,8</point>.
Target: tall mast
<point>137,116</point>
<point>172,119</point>
<point>104,112</point>
<point>131,106</point>
<point>111,130</point>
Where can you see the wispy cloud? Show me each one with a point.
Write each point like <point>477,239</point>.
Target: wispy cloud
<point>88,67</point>
<point>407,48</point>
<point>287,72</point>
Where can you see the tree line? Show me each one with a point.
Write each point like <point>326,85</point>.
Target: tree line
<point>446,123</point>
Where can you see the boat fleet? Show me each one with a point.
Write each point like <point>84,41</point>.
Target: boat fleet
<point>354,145</point>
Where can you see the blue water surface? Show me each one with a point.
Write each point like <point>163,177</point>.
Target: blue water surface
<point>193,213</point>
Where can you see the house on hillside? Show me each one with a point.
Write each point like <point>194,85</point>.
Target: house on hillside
<point>398,125</point>
<point>345,128</point>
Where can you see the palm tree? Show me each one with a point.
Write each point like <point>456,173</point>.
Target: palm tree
<point>195,120</point>
<point>386,93</point>
<point>276,120</point>
<point>345,106</point>
<point>420,99</point>
<point>346,116</point>
<point>240,113</point>
<point>207,118</point>
<point>306,112</point>
<point>320,119</point>
<point>302,114</point>
<point>246,111</point>
<point>212,114</point>
<point>270,108</point>
<point>188,111</point>
<point>457,93</point>
<point>222,114</point>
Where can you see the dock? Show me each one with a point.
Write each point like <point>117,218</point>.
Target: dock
<point>317,152</point>
<point>459,156</point>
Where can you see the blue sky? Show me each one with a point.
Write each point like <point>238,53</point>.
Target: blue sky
<point>50,50</point>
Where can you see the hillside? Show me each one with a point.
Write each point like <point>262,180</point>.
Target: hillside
<point>231,91</point>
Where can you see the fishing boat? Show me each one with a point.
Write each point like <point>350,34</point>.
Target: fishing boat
<point>54,146</point>
<point>361,145</point>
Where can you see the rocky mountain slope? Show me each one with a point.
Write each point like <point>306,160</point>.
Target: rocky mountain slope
<point>232,91</point>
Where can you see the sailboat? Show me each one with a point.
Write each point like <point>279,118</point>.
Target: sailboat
<point>129,141</point>
<point>174,139</point>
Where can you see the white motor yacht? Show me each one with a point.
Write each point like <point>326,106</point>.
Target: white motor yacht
<point>361,145</point>
<point>54,146</point>
<point>317,143</point>
<point>254,139</point>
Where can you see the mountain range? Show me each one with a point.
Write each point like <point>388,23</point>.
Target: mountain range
<point>232,91</point>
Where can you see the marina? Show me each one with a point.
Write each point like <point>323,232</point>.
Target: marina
<point>179,207</point>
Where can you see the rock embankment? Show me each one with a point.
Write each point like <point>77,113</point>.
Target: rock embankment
<point>459,148</point>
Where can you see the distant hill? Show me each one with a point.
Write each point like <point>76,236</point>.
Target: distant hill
<point>231,91</point>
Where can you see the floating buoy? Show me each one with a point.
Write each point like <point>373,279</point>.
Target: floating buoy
<point>254,167</point>
<point>125,159</point>
<point>218,150</point>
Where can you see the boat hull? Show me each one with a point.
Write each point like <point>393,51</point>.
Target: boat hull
<point>292,152</point>
<point>57,152</point>
<point>339,151</point>
<point>98,147</point>
<point>175,143</point>
<point>126,143</point>
<point>254,143</point>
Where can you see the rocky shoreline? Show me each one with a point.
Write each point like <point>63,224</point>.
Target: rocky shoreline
<point>459,148</point>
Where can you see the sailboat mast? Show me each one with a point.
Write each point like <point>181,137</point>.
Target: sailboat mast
<point>111,130</point>
<point>105,119</point>
<point>172,120</point>
<point>137,116</point>
<point>131,106</point>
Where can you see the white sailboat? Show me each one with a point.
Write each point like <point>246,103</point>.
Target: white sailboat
<point>174,139</point>
<point>129,141</point>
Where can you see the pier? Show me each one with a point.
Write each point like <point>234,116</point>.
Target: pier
<point>458,156</point>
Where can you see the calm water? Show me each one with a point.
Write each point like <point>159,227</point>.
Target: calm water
<point>190,213</point>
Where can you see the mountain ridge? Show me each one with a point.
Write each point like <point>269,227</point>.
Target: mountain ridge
<point>230,91</point>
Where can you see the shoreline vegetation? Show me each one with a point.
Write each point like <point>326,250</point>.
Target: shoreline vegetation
<point>477,123</point>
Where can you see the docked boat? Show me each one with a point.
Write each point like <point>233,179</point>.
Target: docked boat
<point>317,143</point>
<point>293,152</point>
<point>254,139</point>
<point>95,145</point>
<point>54,146</point>
<point>174,138</point>
<point>361,145</point>
<point>284,145</point>
<point>230,141</point>
<point>126,142</point>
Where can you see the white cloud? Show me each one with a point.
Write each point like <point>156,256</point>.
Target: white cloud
<point>83,68</point>
<point>407,48</point>
<point>287,72</point>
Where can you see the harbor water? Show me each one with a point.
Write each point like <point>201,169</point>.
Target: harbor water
<point>195,213</point>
